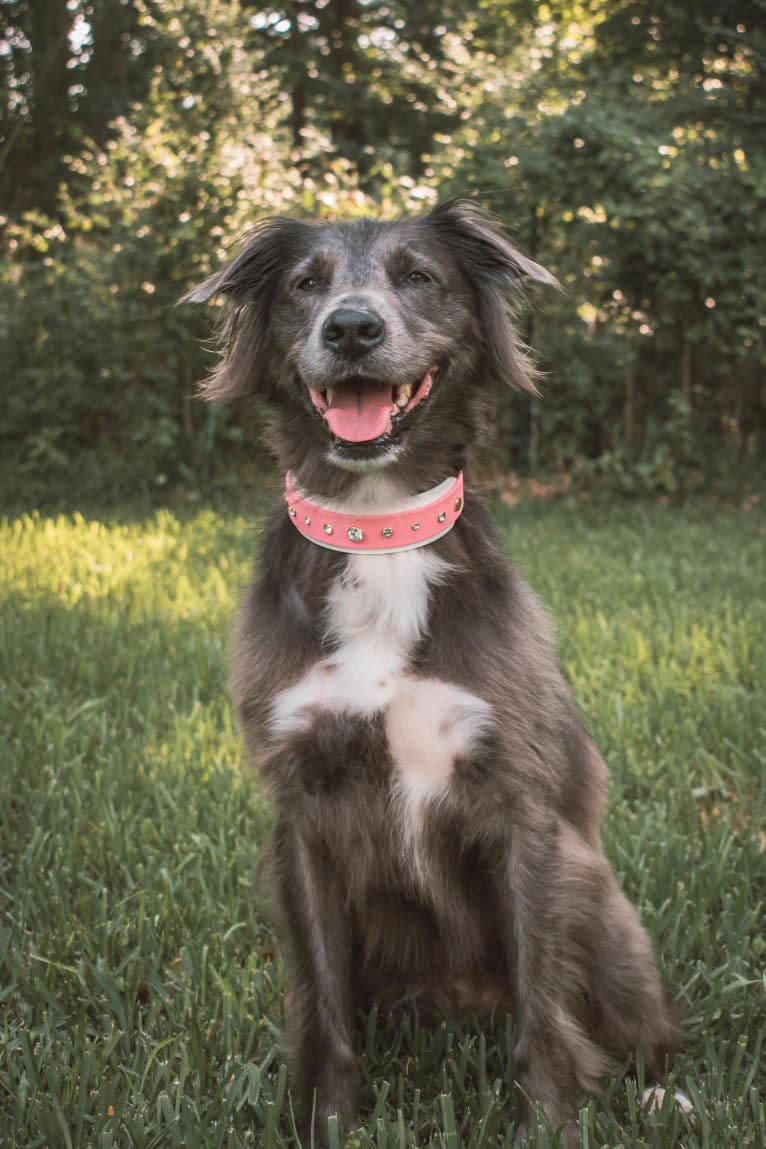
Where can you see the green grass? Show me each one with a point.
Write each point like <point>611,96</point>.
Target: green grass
<point>140,990</point>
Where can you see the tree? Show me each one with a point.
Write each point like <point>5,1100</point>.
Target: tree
<point>623,142</point>
<point>70,67</point>
<point>619,141</point>
<point>364,76</point>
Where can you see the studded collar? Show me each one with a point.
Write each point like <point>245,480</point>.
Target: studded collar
<point>415,522</point>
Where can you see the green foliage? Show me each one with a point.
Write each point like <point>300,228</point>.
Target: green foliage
<point>102,365</point>
<point>620,142</point>
<point>94,361</point>
<point>141,987</point>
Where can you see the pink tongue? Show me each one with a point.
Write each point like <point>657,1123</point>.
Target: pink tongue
<point>360,414</point>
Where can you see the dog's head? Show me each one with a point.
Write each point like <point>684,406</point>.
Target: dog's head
<point>356,330</point>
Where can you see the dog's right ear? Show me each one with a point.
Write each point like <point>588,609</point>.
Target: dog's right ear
<point>248,281</point>
<point>270,244</point>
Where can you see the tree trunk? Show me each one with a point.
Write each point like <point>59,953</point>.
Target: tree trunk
<point>629,408</point>
<point>687,380</point>
<point>298,90</point>
<point>33,152</point>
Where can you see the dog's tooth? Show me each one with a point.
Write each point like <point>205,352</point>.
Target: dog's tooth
<point>403,394</point>
<point>328,396</point>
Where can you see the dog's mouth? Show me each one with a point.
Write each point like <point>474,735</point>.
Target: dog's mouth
<point>361,410</point>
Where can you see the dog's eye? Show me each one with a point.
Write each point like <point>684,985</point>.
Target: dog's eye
<point>308,283</point>
<point>418,277</point>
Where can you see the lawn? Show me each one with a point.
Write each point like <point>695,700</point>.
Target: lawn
<point>140,988</point>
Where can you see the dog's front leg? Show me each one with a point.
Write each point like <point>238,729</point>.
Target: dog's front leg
<point>550,1044</point>
<point>319,1004</point>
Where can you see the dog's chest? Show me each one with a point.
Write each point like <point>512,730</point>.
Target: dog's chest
<point>376,613</point>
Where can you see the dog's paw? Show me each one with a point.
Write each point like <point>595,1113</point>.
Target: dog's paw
<point>654,1098</point>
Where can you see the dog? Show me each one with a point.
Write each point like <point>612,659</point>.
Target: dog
<point>438,799</point>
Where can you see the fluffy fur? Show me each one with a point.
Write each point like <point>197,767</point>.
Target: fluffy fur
<point>438,798</point>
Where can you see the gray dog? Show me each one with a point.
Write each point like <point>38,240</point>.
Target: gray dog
<point>438,799</point>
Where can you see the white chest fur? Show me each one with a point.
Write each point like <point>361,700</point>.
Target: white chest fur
<point>377,610</point>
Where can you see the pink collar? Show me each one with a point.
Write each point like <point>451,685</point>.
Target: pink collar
<point>419,521</point>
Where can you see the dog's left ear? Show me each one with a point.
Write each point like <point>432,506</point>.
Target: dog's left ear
<point>498,272</point>
<point>248,281</point>
<point>480,244</point>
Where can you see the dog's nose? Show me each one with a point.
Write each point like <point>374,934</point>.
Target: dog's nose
<point>353,330</point>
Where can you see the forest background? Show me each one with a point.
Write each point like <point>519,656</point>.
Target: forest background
<point>622,142</point>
